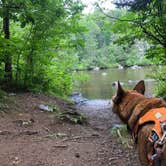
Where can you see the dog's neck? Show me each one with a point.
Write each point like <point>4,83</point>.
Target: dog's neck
<point>126,108</point>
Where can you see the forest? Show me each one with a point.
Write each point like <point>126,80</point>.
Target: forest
<point>43,42</point>
<point>69,78</point>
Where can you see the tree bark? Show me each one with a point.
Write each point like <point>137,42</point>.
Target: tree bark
<point>7,56</point>
<point>29,69</point>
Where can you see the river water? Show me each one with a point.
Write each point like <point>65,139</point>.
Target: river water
<point>99,84</point>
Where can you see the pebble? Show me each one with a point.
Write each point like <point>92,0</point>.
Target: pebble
<point>77,155</point>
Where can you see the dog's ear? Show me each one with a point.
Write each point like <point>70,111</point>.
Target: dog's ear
<point>140,87</point>
<point>119,94</point>
<point>120,91</point>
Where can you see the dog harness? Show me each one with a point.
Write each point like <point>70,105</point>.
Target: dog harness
<point>157,137</point>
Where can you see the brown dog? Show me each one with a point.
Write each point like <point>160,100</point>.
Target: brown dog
<point>134,109</point>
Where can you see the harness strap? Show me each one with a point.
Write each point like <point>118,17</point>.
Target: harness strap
<point>157,137</point>
<point>156,116</point>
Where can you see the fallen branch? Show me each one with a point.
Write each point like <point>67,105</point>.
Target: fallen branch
<point>79,137</point>
<point>5,132</point>
<point>119,134</point>
<point>60,146</point>
<point>129,146</point>
<point>28,132</point>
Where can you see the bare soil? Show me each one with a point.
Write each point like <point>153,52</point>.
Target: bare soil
<point>31,137</point>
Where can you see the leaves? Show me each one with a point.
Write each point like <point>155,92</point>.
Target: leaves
<point>43,36</point>
<point>110,42</point>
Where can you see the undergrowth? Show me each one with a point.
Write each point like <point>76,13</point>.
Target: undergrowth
<point>120,133</point>
<point>68,115</point>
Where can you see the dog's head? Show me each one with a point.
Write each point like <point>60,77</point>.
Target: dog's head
<point>125,100</point>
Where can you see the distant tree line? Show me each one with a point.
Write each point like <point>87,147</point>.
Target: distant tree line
<point>104,44</point>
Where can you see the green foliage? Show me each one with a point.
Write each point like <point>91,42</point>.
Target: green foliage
<point>160,76</point>
<point>43,37</point>
<point>79,79</point>
<point>161,89</point>
<point>156,50</point>
<point>69,114</point>
<point>120,133</point>
<point>72,117</point>
<point>146,19</point>
<point>2,94</point>
<point>105,42</point>
<point>59,77</point>
<point>47,40</point>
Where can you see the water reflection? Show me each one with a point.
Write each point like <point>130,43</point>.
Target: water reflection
<point>99,85</point>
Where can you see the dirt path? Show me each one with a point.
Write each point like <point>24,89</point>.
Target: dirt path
<point>30,137</point>
<point>99,114</point>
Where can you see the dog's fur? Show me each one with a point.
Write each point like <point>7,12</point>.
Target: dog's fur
<point>130,106</point>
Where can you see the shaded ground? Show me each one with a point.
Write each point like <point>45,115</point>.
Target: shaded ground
<point>30,137</point>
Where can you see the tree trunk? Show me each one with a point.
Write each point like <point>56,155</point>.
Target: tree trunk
<point>29,69</point>
<point>8,57</point>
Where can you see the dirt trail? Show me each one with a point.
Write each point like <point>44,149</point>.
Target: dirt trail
<point>30,137</point>
<point>99,113</point>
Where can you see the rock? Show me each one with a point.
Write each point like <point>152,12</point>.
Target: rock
<point>45,108</point>
<point>12,94</point>
<point>133,81</point>
<point>75,94</point>
<point>96,68</point>
<point>104,74</point>
<point>118,126</point>
<point>130,81</point>
<point>135,67</point>
<point>120,67</point>
<point>25,123</point>
<point>115,84</point>
<point>16,161</point>
<point>77,98</point>
<point>77,155</point>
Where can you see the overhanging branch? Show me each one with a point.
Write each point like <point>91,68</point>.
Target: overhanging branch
<point>116,18</point>
<point>11,6</point>
<point>151,35</point>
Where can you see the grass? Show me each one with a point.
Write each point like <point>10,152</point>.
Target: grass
<point>120,133</point>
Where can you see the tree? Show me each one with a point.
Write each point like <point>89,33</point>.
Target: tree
<point>148,21</point>
<point>5,14</point>
<point>11,10</point>
<point>150,18</point>
<point>39,33</point>
<point>102,40</point>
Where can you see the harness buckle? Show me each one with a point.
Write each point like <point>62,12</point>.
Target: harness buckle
<point>157,143</point>
<point>158,152</point>
<point>153,137</point>
<point>160,142</point>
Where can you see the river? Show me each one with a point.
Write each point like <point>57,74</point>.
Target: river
<point>99,84</point>
<point>94,97</point>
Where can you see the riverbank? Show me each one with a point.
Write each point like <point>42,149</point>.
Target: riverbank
<point>96,68</point>
<point>32,137</point>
